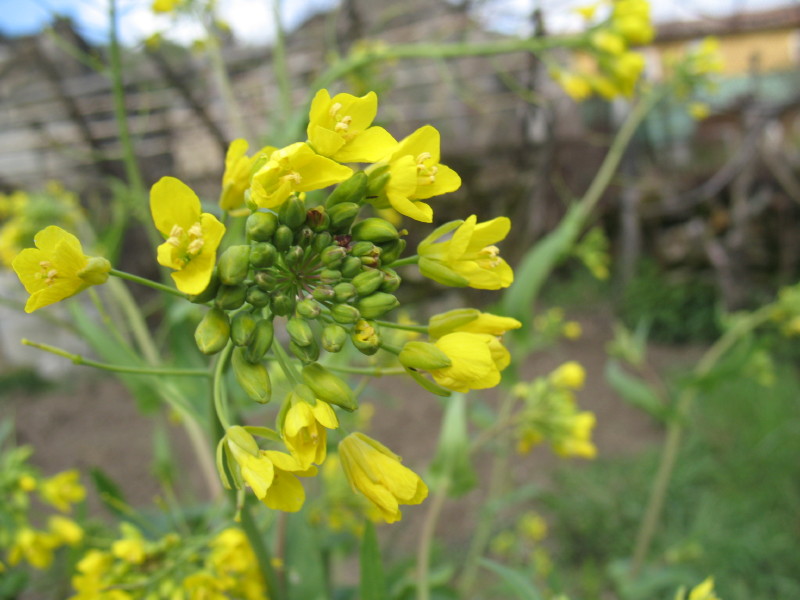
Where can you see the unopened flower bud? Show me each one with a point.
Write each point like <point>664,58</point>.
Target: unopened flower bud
<point>304,237</point>
<point>257,297</point>
<point>376,305</point>
<point>362,249</point>
<point>299,331</point>
<point>253,378</point>
<point>210,292</point>
<point>423,356</point>
<point>332,256</point>
<point>365,337</point>
<point>308,309</point>
<point>283,304</point>
<point>328,387</point>
<point>293,256</point>
<point>352,190</point>
<point>308,353</point>
<point>243,325</point>
<point>391,280</point>
<point>368,282</point>
<point>345,313</point>
<point>233,265</point>
<point>450,321</point>
<point>333,337</point>
<point>342,216</point>
<point>238,435</point>
<point>378,180</point>
<point>96,270</point>
<point>265,280</point>
<point>283,238</point>
<point>344,291</point>
<point>261,226</point>
<point>391,251</point>
<point>212,332</point>
<point>351,267</point>
<point>321,241</point>
<point>318,219</point>
<point>263,255</point>
<point>292,213</point>
<point>230,297</point>
<point>323,293</point>
<point>370,261</point>
<point>261,341</point>
<point>375,230</point>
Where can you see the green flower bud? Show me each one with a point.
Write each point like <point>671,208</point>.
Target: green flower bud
<point>444,323</point>
<point>344,291</point>
<point>303,237</point>
<point>391,251</point>
<point>261,341</point>
<point>391,280</point>
<point>308,309</point>
<point>378,178</point>
<point>213,331</point>
<point>243,325</point>
<point>332,256</point>
<point>283,304</point>
<point>376,305</point>
<point>350,190</point>
<point>253,378</point>
<point>351,267</point>
<point>362,249</point>
<point>239,436</point>
<point>375,230</point>
<point>423,356</point>
<point>292,213</point>
<point>370,262</point>
<point>293,256</point>
<point>210,292</point>
<point>265,280</point>
<point>321,241</point>
<point>342,216</point>
<point>440,273</point>
<point>328,387</point>
<point>333,337</point>
<point>330,276</point>
<point>308,353</point>
<point>96,270</point>
<point>230,297</point>
<point>345,313</point>
<point>283,238</point>
<point>365,337</point>
<point>318,219</point>
<point>299,331</point>
<point>261,226</point>
<point>263,255</point>
<point>323,293</point>
<point>257,297</point>
<point>233,265</point>
<point>368,282</point>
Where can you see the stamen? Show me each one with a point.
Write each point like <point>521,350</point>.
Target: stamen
<point>423,157</point>
<point>176,231</point>
<point>335,108</point>
<point>195,246</point>
<point>195,231</point>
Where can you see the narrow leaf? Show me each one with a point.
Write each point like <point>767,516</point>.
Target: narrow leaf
<point>373,582</point>
<point>517,582</point>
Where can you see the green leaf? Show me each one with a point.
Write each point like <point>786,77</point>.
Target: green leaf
<point>373,582</point>
<point>304,569</point>
<point>451,463</point>
<point>517,582</point>
<point>635,391</point>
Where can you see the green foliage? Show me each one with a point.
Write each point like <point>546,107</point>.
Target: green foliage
<point>678,311</point>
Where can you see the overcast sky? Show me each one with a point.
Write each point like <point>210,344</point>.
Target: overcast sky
<point>252,21</point>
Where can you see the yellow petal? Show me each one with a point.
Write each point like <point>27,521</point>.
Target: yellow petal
<point>172,202</point>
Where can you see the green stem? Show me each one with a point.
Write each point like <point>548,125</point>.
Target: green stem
<point>135,321</point>
<point>224,83</point>
<point>81,360</point>
<point>390,348</point>
<point>373,371</point>
<point>675,430</point>
<point>285,362</point>
<point>147,282</point>
<point>426,540</point>
<point>261,551</point>
<point>408,260</point>
<point>106,318</point>
<point>219,401</point>
<point>393,325</point>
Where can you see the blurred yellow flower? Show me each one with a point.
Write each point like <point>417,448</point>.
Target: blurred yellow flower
<point>62,490</point>
<point>699,110</point>
<point>238,170</point>
<point>192,235</point>
<point>378,474</point>
<point>57,268</point>
<point>702,591</point>
<point>131,546</point>
<point>165,6</point>
<point>572,330</point>
<point>476,361</point>
<point>65,530</point>
<point>35,547</point>
<point>570,375</point>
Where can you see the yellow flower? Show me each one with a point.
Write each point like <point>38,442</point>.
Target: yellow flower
<point>65,530</point>
<point>34,546</point>
<point>702,591</point>
<point>576,440</point>
<point>570,376</point>
<point>631,19</point>
<point>131,547</point>
<point>304,431</point>
<point>415,174</point>
<point>238,169</point>
<point>57,268</point>
<point>533,526</point>
<point>295,168</point>
<point>339,128</point>
<point>376,472</point>
<point>476,361</point>
<point>192,236</point>
<point>470,257</point>
<point>699,110</point>
<point>609,42</point>
<point>575,85</point>
<point>165,6</point>
<point>27,483</point>
<point>63,490</point>
<point>572,330</point>
<point>470,320</point>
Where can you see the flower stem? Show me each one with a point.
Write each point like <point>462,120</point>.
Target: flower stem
<point>426,539</point>
<point>219,401</point>
<point>408,260</point>
<point>261,551</point>
<point>393,325</point>
<point>80,360</point>
<point>147,282</point>
<point>373,371</point>
<point>284,362</point>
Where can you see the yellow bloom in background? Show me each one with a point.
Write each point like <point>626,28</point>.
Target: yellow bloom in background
<point>57,268</point>
<point>576,437</point>
<point>470,257</point>
<point>165,6</point>
<point>699,110</point>
<point>304,431</point>
<point>569,376</point>
<point>65,530</point>
<point>35,547</point>
<point>572,330</point>
<point>702,591</point>
<point>339,128</point>
<point>378,474</point>
<point>577,86</point>
<point>533,526</point>
<point>476,361</point>
<point>415,174</point>
<point>238,170</point>
<point>608,42</point>
<point>469,320</point>
<point>295,168</point>
<point>131,547</point>
<point>192,235</point>
<point>631,19</point>
<point>63,490</point>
